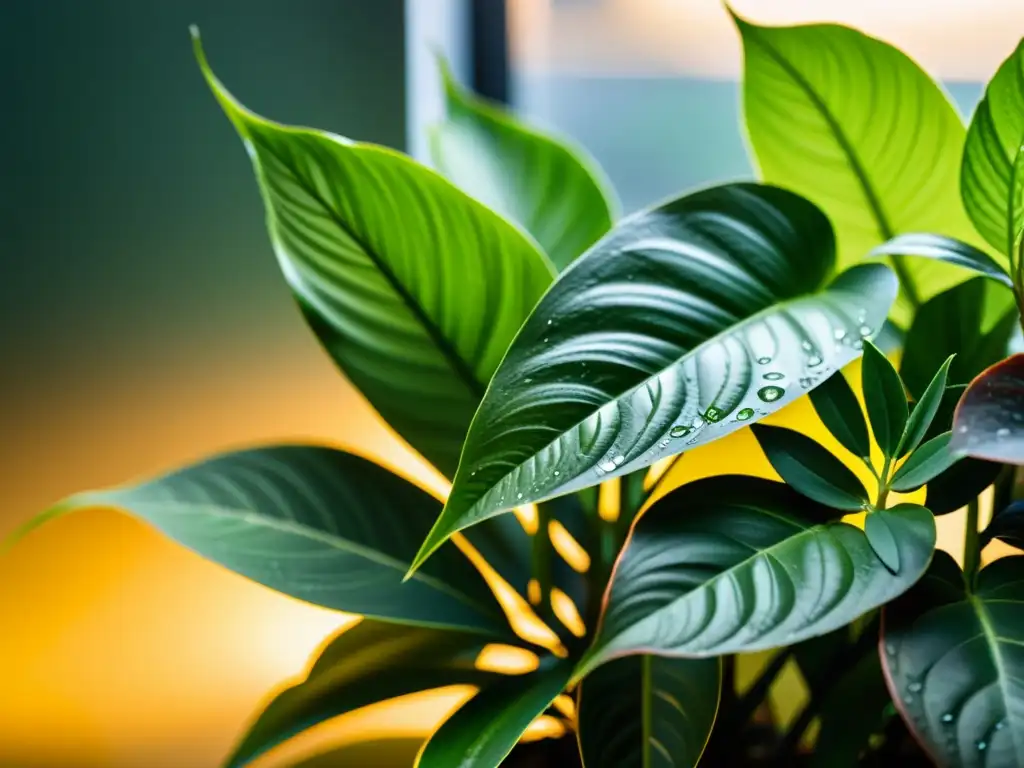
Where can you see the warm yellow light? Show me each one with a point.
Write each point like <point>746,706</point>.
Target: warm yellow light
<point>528,518</point>
<point>565,609</point>
<point>566,545</point>
<point>608,500</point>
<point>564,704</point>
<point>506,659</point>
<point>544,727</point>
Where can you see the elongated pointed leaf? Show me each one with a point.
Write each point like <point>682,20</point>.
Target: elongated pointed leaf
<point>486,728</point>
<point>879,528</point>
<point>413,288</point>
<point>945,249</point>
<point>1007,525</point>
<point>885,399</point>
<point>552,189</point>
<point>928,461</point>
<point>648,712</point>
<point>989,421</point>
<point>733,564</point>
<point>953,663</point>
<point>810,469</point>
<point>839,411</point>
<point>371,662</point>
<point>991,183</point>
<point>875,143</point>
<point>687,322</point>
<point>925,409</point>
<point>317,524</point>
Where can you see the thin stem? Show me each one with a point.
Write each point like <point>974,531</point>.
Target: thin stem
<point>972,552</point>
<point>883,484</point>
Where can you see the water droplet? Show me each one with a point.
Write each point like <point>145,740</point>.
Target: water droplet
<point>948,717</point>
<point>679,431</point>
<point>764,360</point>
<point>519,495</point>
<point>770,394</point>
<point>545,339</point>
<point>806,345</point>
<point>697,422</point>
<point>890,649</point>
<point>618,460</point>
<point>865,330</point>
<point>713,415</point>
<point>858,344</point>
<point>962,429</point>
<point>839,334</point>
<point>549,322</point>
<point>774,376</point>
<point>915,687</point>
<point>861,314</point>
<point>806,383</point>
<point>1002,432</point>
<point>981,745</point>
<point>557,473</point>
<point>1000,725</point>
<point>527,380</point>
<point>607,466</point>
<point>814,361</point>
<point>908,699</point>
<point>745,414</point>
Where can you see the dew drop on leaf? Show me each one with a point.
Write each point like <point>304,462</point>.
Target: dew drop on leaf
<point>865,330</point>
<point>1002,432</point>
<point>744,414</point>
<point>770,394</point>
<point>947,718</point>
<point>607,466</point>
<point>915,687</point>
<point>839,334</point>
<point>679,431</point>
<point>774,376</point>
<point>764,360</point>
<point>814,361</point>
<point>619,460</point>
<point>982,746</point>
<point>713,415</point>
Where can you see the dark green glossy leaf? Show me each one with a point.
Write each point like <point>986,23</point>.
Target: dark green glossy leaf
<point>484,730</point>
<point>885,399</point>
<point>733,564</point>
<point>880,528</point>
<point>648,712</point>
<point>396,271</point>
<point>317,524</point>
<point>878,159</point>
<point>379,753</point>
<point>551,188</point>
<point>931,459</point>
<point>838,409</point>
<point>810,469</point>
<point>687,322</point>
<point>989,421</point>
<point>990,183</point>
<point>964,481</point>
<point>954,663</point>
<point>924,411</point>
<point>945,249</point>
<point>1007,525</point>
<point>371,662</point>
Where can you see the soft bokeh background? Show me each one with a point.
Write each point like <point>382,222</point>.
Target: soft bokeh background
<point>144,323</point>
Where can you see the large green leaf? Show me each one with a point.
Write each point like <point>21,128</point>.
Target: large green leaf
<point>371,662</point>
<point>687,322</point>
<point>991,183</point>
<point>552,189</point>
<point>379,753</point>
<point>954,659</point>
<point>648,712</point>
<point>732,564</point>
<point>414,288</point>
<point>315,523</point>
<point>945,249</point>
<point>858,128</point>
<point>989,421</point>
<point>486,728</point>
<point>837,407</point>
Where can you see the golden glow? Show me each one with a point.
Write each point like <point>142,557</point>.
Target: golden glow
<point>564,704</point>
<point>608,498</point>
<point>533,593</point>
<point>657,471</point>
<point>565,545</point>
<point>506,659</point>
<point>565,609</point>
<point>528,518</point>
<point>544,727</point>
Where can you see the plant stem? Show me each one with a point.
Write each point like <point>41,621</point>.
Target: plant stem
<point>883,484</point>
<point>972,552</point>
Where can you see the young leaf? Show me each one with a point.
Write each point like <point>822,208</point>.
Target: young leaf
<point>732,564</point>
<point>369,663</point>
<point>484,730</point>
<point>885,399</point>
<point>643,711</point>
<point>810,469</point>
<point>945,249</point>
<point>414,288</point>
<point>925,463</point>
<point>552,189</point>
<point>878,527</point>
<point>990,183</point>
<point>317,524</point>
<point>924,410</point>
<point>852,142</point>
<point>953,663</point>
<point>989,421</point>
<point>687,322</point>
<point>838,409</point>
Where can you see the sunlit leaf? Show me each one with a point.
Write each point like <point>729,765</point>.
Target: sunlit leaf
<point>989,421</point>
<point>945,249</point>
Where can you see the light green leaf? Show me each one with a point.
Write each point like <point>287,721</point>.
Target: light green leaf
<point>858,128</point>
<point>991,183</point>
<point>931,459</point>
<point>413,288</point>
<point>687,322</point>
<point>945,249</point>
<point>924,410</point>
<point>837,407</point>
<point>810,469</point>
<point>648,712</point>
<point>554,190</point>
<point>486,728</point>
<point>732,564</point>
<point>317,524</point>
<point>885,399</point>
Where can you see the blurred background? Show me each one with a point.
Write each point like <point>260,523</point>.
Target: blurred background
<point>144,323</point>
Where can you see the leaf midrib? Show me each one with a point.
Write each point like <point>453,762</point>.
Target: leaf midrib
<point>992,640</point>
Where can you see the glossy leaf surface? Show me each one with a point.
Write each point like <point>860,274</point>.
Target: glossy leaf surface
<point>885,399</point>
<point>732,564</point>
<point>989,421</point>
<point>648,712</point>
<point>1007,525</point>
<point>838,408</point>
<point>925,409</point>
<point>687,322</point>
<point>931,459</point>
<point>880,528</point>
<point>552,189</point>
<point>954,661</point>
<point>955,487</point>
<point>945,249</point>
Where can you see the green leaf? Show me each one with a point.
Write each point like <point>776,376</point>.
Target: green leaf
<point>874,142</point>
<point>687,322</point>
<point>838,409</point>
<point>486,728</point>
<point>945,249</point>
<point>379,753</point>
<point>885,399</point>
<point>371,662</point>
<point>1007,525</point>
<point>648,712</point>
<point>315,523</point>
<point>554,190</point>
<point>955,487</point>
<point>924,411</point>
<point>414,288</point>
<point>953,662</point>
<point>810,469</point>
<point>990,183</point>
<point>733,564</point>
<point>925,463</point>
<point>880,527</point>
<point>989,422</point>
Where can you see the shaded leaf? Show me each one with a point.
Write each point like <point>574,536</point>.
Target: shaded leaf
<point>838,408</point>
<point>1007,525</point>
<point>926,462</point>
<point>648,712</point>
<point>945,249</point>
<point>885,399</point>
<point>810,469</point>
<point>989,421</point>
<point>925,410</point>
<point>552,189</point>
<point>879,529</point>
<point>687,322</point>
<point>961,483</point>
<point>379,753</point>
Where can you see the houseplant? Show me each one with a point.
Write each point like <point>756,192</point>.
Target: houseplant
<point>549,357</point>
